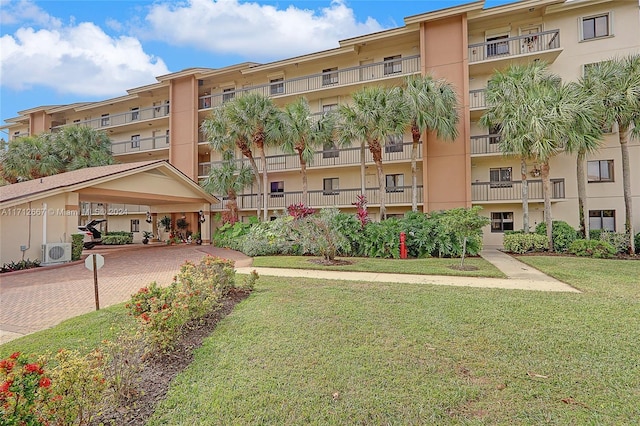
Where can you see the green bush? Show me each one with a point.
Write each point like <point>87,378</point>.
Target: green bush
<point>19,265</point>
<point>117,239</point>
<point>232,236</point>
<point>349,226</point>
<point>419,229</point>
<point>76,246</point>
<point>525,243</point>
<point>637,242</point>
<point>619,241</point>
<point>592,248</point>
<point>382,239</point>
<point>563,234</point>
<point>318,234</point>
<point>594,234</point>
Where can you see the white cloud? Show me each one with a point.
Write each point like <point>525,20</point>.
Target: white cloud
<point>78,59</point>
<point>24,12</point>
<point>253,30</point>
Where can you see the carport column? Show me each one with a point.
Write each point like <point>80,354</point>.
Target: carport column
<point>154,227</point>
<point>205,227</point>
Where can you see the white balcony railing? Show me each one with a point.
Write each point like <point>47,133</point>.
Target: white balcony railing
<point>513,46</point>
<point>111,120</point>
<point>512,190</point>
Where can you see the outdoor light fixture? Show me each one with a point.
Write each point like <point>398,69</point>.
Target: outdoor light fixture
<point>148,217</point>
<point>202,218</point>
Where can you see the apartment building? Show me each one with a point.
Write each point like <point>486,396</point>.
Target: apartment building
<point>463,44</point>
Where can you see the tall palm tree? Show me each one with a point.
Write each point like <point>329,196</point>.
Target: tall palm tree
<point>432,105</point>
<point>81,146</point>
<point>617,84</point>
<point>589,126</point>
<point>241,122</point>
<point>299,132</point>
<point>30,157</point>
<point>229,179</point>
<point>376,113</point>
<point>539,117</point>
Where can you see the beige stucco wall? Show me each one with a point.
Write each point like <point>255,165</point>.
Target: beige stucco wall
<point>23,224</point>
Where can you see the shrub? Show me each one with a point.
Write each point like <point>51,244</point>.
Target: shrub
<point>463,224</point>
<point>25,391</point>
<point>117,238</point>
<point>637,242</point>
<point>270,238</point>
<point>349,226</point>
<point>524,243</point>
<point>123,363</point>
<point>319,235</point>
<point>232,235</point>
<point>619,241</point>
<point>592,248</point>
<point>382,239</point>
<point>298,211</point>
<point>361,210</point>
<point>563,234</point>
<point>419,229</point>
<point>20,265</point>
<point>76,246</point>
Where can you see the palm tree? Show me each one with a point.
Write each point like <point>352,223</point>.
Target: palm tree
<point>432,105</point>
<point>30,157</point>
<point>617,84</point>
<point>376,113</point>
<point>588,144</point>
<point>235,123</point>
<point>539,117</point>
<point>230,179</point>
<point>299,132</point>
<point>81,146</point>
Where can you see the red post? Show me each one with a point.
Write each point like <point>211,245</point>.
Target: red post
<point>403,246</point>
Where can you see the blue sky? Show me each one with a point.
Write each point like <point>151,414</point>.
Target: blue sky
<point>61,52</point>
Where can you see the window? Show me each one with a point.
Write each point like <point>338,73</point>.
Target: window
<point>329,76</point>
<point>602,219</point>
<point>393,144</point>
<point>500,178</point>
<point>277,86</point>
<point>277,189</point>
<point>166,136</point>
<point>329,107</point>
<point>228,94</point>
<point>330,186</point>
<point>104,120</point>
<point>76,121</point>
<point>595,27</point>
<point>392,64</point>
<point>135,225</point>
<point>135,141</point>
<point>501,221</point>
<point>395,183</point>
<point>135,114</point>
<point>497,45</point>
<point>330,150</point>
<point>600,171</point>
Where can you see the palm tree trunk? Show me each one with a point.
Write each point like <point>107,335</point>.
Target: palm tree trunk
<point>626,183</point>
<point>376,151</point>
<point>247,153</point>
<point>303,170</point>
<point>415,135</point>
<point>582,195</point>
<point>232,205</point>
<point>546,190</point>
<point>525,195</point>
<point>265,182</point>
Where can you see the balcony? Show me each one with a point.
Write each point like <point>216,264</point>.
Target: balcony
<point>19,135</point>
<point>497,53</point>
<point>140,145</point>
<point>130,117</point>
<point>324,158</point>
<point>477,99</point>
<point>399,195</point>
<point>487,192</point>
<point>485,145</point>
<point>322,81</point>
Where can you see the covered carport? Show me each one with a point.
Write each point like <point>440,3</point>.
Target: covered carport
<point>42,214</point>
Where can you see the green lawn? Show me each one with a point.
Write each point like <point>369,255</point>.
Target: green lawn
<point>430,266</point>
<point>302,351</point>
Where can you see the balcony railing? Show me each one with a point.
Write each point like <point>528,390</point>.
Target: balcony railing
<point>334,78</point>
<point>129,117</point>
<point>485,144</point>
<point>323,158</point>
<point>512,46</point>
<point>19,135</point>
<point>140,145</point>
<point>512,190</point>
<point>398,195</point>
<point>477,99</point>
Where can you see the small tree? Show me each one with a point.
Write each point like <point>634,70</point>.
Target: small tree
<point>319,234</point>
<point>465,224</point>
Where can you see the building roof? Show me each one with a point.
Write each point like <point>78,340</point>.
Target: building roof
<point>76,180</point>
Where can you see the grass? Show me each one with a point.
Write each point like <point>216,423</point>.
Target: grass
<point>303,351</point>
<point>429,266</point>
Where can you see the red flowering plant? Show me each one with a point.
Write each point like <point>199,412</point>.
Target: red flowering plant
<point>25,391</point>
<point>298,211</point>
<point>361,210</point>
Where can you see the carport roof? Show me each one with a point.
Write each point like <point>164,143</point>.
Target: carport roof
<point>84,179</point>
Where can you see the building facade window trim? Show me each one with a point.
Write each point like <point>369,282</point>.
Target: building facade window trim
<point>600,171</point>
<point>501,221</point>
<point>594,27</point>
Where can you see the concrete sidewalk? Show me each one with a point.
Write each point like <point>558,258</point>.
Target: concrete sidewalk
<point>40,298</point>
<point>520,276</point>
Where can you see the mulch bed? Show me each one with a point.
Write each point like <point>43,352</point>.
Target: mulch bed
<point>161,369</point>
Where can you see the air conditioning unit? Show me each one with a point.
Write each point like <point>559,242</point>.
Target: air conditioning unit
<point>56,253</point>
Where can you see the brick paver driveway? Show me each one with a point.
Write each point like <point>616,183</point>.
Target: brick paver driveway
<point>41,298</point>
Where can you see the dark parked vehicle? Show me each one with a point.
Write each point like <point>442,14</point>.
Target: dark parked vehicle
<point>92,236</point>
